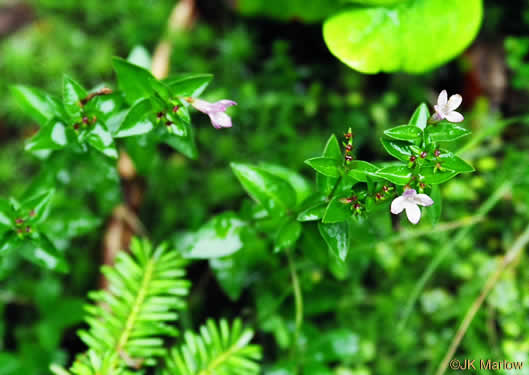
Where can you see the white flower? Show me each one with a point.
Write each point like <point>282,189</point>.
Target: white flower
<point>410,201</point>
<point>446,108</point>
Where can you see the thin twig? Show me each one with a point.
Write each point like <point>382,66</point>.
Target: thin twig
<point>512,254</point>
<point>298,298</point>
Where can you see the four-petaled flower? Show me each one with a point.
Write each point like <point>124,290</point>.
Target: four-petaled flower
<point>446,108</point>
<point>215,111</point>
<point>410,201</point>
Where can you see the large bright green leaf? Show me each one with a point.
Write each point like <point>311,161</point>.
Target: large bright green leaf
<point>38,105</point>
<point>189,84</point>
<point>72,93</point>
<point>338,237</point>
<point>414,36</point>
<point>289,10</point>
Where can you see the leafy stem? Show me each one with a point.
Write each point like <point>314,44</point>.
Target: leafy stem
<point>298,298</point>
<point>333,191</point>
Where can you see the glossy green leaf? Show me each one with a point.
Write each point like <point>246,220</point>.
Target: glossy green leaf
<point>445,132</point>
<point>6,213</point>
<point>219,237</point>
<point>55,135</point>
<point>326,166</point>
<point>101,139</point>
<point>39,205</point>
<point>275,194</point>
<point>429,175</point>
<point>313,208</point>
<point>301,186</point>
<point>414,36</point>
<point>40,251</point>
<point>181,137</point>
<point>404,132</point>
<point>137,121</point>
<point>72,93</point>
<point>360,170</point>
<point>287,235</point>
<point>453,162</point>
<point>135,81</point>
<point>399,175</point>
<point>189,84</point>
<point>140,56</point>
<point>397,149</point>
<point>420,117</point>
<point>307,11</point>
<point>38,105</point>
<point>337,211</point>
<point>332,150</point>
<point>338,237</point>
<point>377,2</point>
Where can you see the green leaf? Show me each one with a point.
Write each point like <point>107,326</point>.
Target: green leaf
<point>332,150</point>
<point>429,175</point>
<point>220,349</point>
<point>135,81</point>
<point>306,11</point>
<point>181,138</point>
<point>297,181</point>
<point>140,56</point>
<point>72,94</point>
<point>273,193</point>
<point>375,39</point>
<point>42,252</point>
<point>455,163</point>
<point>55,135</point>
<point>189,84</point>
<point>420,117</point>
<point>435,209</point>
<point>219,237</point>
<point>137,120</point>
<point>287,235</point>
<point>39,205</point>
<point>399,175</point>
<point>404,132</point>
<point>336,212</point>
<point>338,237</point>
<point>6,213</point>
<point>445,132</point>
<point>38,105</point>
<point>360,170</point>
<point>399,150</point>
<point>313,208</point>
<point>377,2</point>
<point>101,139</point>
<point>326,166</point>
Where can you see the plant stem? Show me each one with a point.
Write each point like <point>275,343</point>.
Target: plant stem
<point>298,299</point>
<point>513,253</point>
<point>432,267</point>
<point>334,188</point>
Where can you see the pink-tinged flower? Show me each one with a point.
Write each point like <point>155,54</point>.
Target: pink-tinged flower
<point>446,108</point>
<point>216,111</point>
<point>410,201</point>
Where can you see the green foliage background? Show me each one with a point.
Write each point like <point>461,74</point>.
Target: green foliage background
<point>291,98</point>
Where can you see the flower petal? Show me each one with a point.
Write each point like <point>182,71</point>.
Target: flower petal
<point>454,102</point>
<point>220,120</point>
<point>443,98</point>
<point>439,111</point>
<point>413,212</point>
<point>423,200</point>
<point>207,107</point>
<point>454,117</point>
<point>398,205</point>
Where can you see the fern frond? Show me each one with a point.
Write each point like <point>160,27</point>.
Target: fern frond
<point>129,320</point>
<point>217,350</point>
